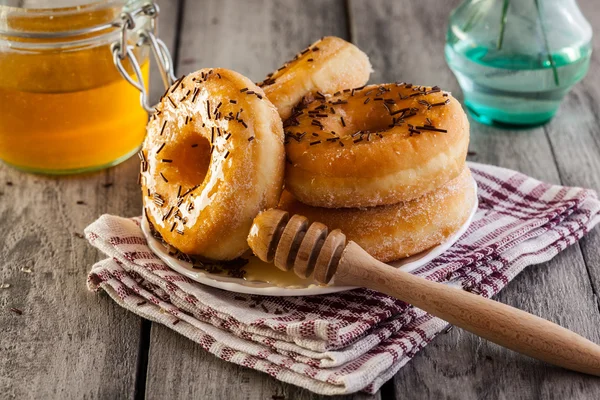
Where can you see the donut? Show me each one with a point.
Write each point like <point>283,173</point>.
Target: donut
<point>374,145</point>
<point>212,160</point>
<point>326,66</point>
<point>400,230</point>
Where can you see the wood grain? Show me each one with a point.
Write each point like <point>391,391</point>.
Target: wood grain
<point>253,39</point>
<point>180,369</point>
<point>256,38</point>
<point>458,364</point>
<point>575,139</point>
<point>68,343</point>
<point>168,31</point>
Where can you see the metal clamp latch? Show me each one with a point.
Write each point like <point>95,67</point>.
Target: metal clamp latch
<point>121,50</point>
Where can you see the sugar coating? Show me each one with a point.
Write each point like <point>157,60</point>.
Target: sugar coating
<point>213,158</point>
<point>396,231</point>
<point>374,145</point>
<point>328,65</point>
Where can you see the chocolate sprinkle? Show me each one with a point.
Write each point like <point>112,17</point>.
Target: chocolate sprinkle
<point>168,214</point>
<point>177,83</point>
<point>431,128</point>
<point>158,200</point>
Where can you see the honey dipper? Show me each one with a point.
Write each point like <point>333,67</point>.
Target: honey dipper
<point>293,243</point>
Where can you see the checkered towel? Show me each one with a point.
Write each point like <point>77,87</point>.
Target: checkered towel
<point>354,340</point>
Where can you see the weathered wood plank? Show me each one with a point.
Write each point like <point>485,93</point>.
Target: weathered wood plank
<point>405,42</point>
<point>575,138</point>
<point>68,343</point>
<point>257,37</point>
<point>252,39</point>
<point>181,369</point>
<point>167,31</point>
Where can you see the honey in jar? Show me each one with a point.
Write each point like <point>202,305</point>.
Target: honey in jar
<point>64,106</point>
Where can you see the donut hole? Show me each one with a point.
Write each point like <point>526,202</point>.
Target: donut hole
<point>368,123</point>
<point>192,159</point>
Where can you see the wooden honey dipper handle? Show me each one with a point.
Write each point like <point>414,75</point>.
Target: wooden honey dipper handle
<point>292,243</point>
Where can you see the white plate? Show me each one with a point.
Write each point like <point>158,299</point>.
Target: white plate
<point>304,288</point>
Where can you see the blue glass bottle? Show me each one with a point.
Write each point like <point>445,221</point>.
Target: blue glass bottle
<point>516,59</point>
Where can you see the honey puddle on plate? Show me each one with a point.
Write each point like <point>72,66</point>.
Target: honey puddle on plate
<point>257,270</point>
<point>254,270</point>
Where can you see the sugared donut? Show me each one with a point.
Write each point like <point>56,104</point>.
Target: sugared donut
<point>328,65</point>
<point>376,145</point>
<point>400,230</point>
<point>212,160</point>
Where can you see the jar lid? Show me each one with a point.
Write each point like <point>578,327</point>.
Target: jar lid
<point>48,4</point>
<point>53,19</point>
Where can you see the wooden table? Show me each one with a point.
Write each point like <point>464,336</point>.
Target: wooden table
<point>72,344</point>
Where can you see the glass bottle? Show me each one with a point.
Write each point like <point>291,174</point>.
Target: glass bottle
<point>515,60</point>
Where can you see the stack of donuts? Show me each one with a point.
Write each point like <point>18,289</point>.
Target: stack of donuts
<point>384,163</point>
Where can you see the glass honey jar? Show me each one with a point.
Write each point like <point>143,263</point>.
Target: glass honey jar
<point>73,96</point>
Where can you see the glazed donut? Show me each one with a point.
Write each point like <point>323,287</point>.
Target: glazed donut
<point>328,65</point>
<point>212,160</point>
<point>400,230</point>
<point>375,145</point>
